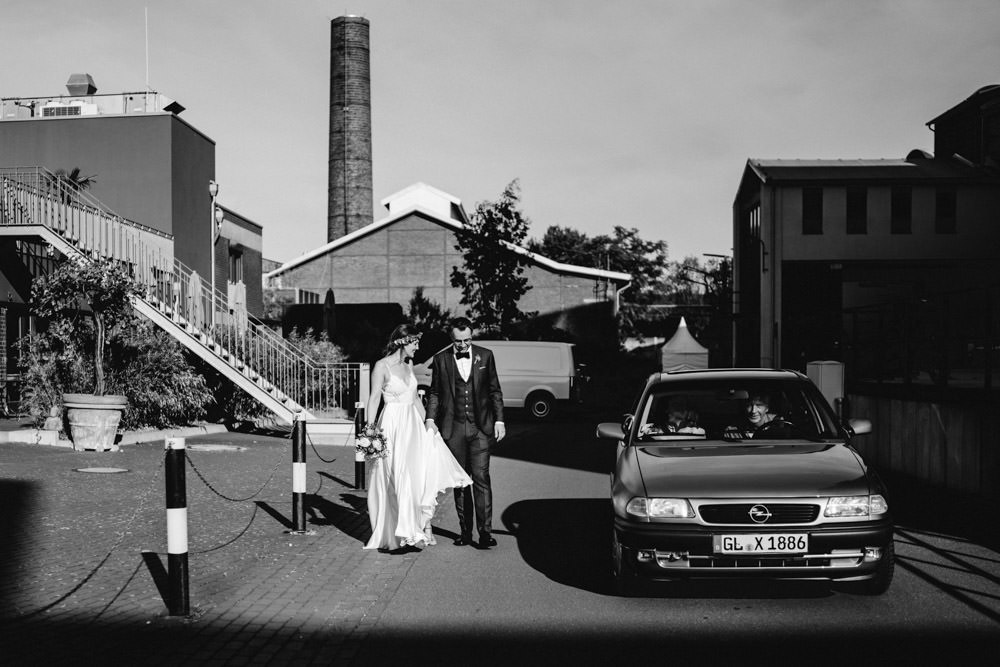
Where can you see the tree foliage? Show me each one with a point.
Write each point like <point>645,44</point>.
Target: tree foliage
<point>491,277</point>
<point>75,180</point>
<point>623,250</point>
<point>77,288</point>
<point>427,316</point>
<point>144,364</point>
<point>706,289</point>
<point>710,284</point>
<point>152,372</point>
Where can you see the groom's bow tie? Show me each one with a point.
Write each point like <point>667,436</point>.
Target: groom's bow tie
<point>462,355</point>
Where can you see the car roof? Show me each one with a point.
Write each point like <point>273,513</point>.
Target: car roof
<point>725,374</point>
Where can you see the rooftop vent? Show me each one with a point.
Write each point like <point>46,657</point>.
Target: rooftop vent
<point>81,84</point>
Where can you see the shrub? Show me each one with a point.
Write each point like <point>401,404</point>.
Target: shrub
<point>152,371</point>
<point>52,365</point>
<point>91,340</point>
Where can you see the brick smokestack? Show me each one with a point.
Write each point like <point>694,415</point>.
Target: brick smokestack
<point>350,185</point>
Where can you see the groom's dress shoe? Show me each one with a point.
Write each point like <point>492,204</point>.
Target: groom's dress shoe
<point>486,541</point>
<point>463,541</point>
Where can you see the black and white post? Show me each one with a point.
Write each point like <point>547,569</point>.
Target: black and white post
<point>299,475</point>
<point>178,594</point>
<point>359,457</point>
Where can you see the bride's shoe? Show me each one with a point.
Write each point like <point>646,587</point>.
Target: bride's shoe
<point>429,535</point>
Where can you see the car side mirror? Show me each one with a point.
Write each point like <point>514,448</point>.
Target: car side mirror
<point>610,431</point>
<point>627,423</point>
<point>859,426</point>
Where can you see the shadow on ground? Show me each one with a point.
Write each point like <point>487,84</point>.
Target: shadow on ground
<point>350,517</point>
<point>566,443</point>
<point>178,641</point>
<point>568,540</point>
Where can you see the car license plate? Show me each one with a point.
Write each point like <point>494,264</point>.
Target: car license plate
<point>761,543</point>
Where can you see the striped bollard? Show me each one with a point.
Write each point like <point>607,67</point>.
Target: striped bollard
<point>299,476</point>
<point>359,458</point>
<point>178,594</point>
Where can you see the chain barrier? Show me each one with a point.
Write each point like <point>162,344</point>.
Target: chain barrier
<point>224,496</point>
<point>226,544</point>
<point>121,538</point>
<point>140,506</point>
<point>116,595</point>
<point>353,433</point>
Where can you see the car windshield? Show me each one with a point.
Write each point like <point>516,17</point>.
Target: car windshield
<point>735,411</point>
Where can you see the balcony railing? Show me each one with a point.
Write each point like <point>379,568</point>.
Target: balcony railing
<point>285,372</point>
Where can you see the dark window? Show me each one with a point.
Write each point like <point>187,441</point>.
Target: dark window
<point>857,210</point>
<point>235,266</point>
<point>902,210</point>
<point>945,219</point>
<point>812,210</point>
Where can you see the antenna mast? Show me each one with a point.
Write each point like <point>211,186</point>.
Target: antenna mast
<point>147,48</point>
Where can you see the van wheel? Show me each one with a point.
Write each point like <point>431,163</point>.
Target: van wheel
<point>540,404</point>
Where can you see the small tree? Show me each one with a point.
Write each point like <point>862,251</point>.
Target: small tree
<point>491,277</point>
<point>431,320</point>
<point>75,180</point>
<point>100,288</point>
<point>627,252</point>
<point>426,315</point>
<point>70,182</point>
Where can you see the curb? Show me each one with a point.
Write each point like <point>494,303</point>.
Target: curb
<point>138,437</point>
<point>37,436</point>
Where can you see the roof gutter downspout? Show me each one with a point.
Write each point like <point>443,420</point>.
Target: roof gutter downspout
<point>617,302</point>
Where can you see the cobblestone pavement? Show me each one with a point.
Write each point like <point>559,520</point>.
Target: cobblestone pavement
<point>83,558</point>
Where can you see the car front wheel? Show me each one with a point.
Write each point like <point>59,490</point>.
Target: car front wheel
<point>624,578</point>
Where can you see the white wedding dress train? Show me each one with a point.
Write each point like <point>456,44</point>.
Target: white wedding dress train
<point>403,486</point>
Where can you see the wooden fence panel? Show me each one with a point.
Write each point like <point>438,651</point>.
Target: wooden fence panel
<point>950,445</point>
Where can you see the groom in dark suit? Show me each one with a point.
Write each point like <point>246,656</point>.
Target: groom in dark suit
<point>466,405</point>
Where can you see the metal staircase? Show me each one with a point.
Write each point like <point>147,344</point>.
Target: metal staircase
<point>35,203</point>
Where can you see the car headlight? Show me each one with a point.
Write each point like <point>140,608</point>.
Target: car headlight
<point>660,508</point>
<point>856,506</point>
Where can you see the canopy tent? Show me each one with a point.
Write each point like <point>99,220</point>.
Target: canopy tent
<point>683,352</point>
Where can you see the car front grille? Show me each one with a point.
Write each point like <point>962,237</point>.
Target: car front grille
<point>781,513</point>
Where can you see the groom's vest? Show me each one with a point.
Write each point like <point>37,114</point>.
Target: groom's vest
<point>464,412</point>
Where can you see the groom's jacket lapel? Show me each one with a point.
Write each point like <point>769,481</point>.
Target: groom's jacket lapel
<point>474,377</point>
<point>450,369</point>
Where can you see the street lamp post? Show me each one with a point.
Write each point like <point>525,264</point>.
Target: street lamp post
<point>216,218</point>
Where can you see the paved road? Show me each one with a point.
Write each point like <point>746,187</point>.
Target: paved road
<point>545,593</point>
<point>82,556</point>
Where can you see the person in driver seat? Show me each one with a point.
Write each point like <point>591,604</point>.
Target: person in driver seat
<point>758,414</point>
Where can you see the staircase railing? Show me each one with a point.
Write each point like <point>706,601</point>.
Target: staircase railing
<point>35,196</point>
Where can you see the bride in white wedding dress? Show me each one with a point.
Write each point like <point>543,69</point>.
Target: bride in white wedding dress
<point>404,484</point>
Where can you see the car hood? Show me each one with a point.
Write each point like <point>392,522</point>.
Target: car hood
<point>729,470</point>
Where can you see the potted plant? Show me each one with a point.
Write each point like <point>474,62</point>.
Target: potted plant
<point>82,299</point>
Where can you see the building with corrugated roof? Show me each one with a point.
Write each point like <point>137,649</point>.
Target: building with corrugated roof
<point>414,246</point>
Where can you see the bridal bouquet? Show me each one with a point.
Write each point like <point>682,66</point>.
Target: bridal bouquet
<point>371,442</point>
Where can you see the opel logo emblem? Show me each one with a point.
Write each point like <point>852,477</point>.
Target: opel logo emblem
<point>759,514</point>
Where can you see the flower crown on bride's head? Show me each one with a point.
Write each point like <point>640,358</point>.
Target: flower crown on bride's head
<point>403,341</point>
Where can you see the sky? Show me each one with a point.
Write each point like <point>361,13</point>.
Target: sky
<point>638,113</point>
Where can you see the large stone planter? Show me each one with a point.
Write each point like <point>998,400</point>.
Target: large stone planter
<point>93,420</point>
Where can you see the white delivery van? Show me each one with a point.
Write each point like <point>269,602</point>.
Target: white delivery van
<point>533,374</point>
